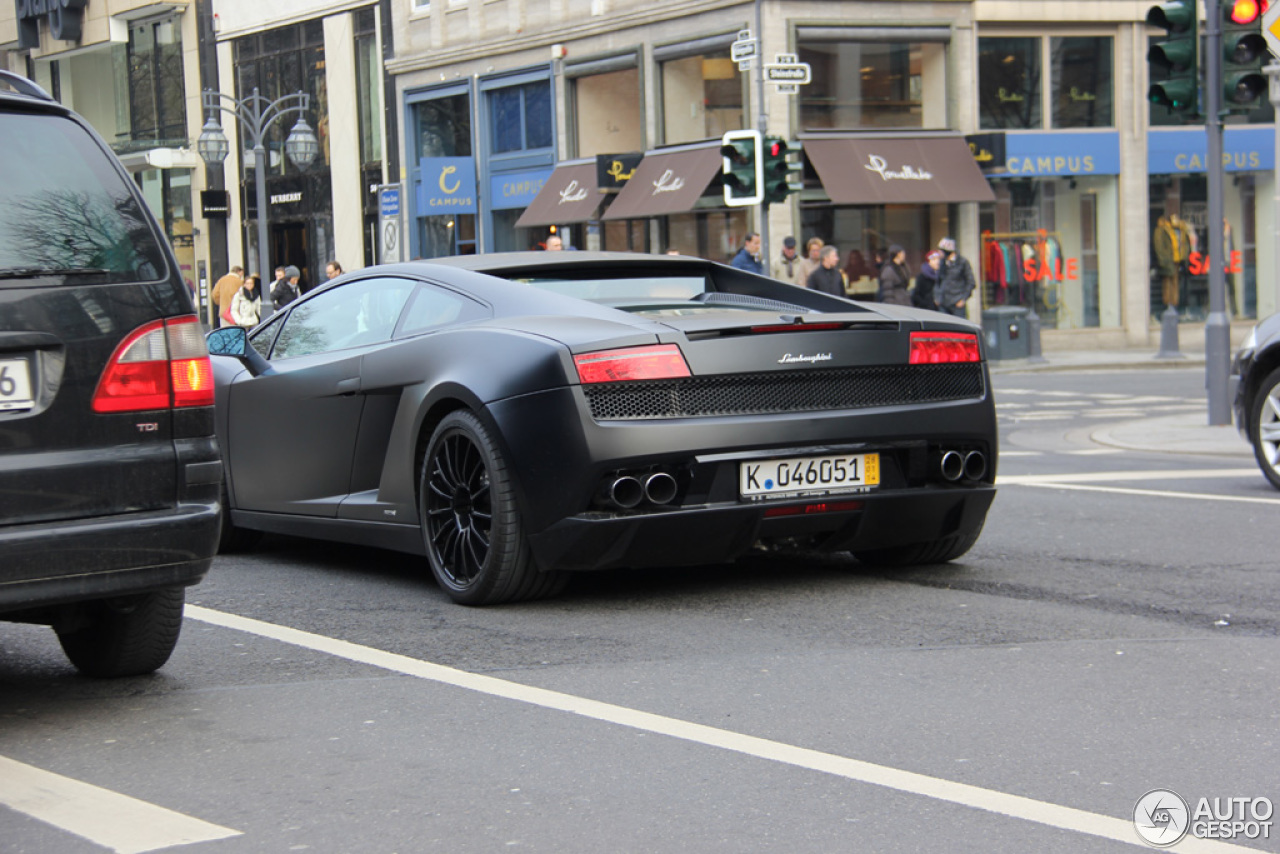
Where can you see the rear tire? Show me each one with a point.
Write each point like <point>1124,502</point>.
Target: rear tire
<point>915,554</point>
<point>1264,427</point>
<point>127,635</point>
<point>471,526</point>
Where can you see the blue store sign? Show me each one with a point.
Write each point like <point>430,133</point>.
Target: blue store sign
<point>448,185</point>
<point>1244,149</point>
<point>1034,155</point>
<point>516,189</point>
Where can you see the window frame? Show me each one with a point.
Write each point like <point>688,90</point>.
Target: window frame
<point>1046,89</point>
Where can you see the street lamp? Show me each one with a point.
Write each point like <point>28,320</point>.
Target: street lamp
<point>256,115</point>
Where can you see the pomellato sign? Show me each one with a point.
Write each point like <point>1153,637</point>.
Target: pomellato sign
<point>64,18</point>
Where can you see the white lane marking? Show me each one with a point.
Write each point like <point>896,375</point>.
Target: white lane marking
<point>110,819</point>
<point>1004,454</point>
<point>1154,493</point>
<point>1094,452</point>
<point>1002,803</point>
<point>1123,476</point>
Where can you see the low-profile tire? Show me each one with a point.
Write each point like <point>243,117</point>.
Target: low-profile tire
<point>1264,427</point>
<point>916,554</point>
<point>472,529</point>
<point>127,635</point>
<point>232,538</point>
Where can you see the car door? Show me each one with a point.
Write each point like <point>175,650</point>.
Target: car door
<point>292,432</point>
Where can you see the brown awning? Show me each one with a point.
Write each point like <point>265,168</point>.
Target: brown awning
<point>571,194</point>
<point>878,170</point>
<point>667,182</point>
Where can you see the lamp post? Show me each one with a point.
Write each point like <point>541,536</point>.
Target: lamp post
<point>256,114</point>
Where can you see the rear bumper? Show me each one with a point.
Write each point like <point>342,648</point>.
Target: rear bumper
<point>56,563</point>
<point>714,533</point>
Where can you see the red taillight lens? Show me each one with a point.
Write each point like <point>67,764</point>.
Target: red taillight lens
<point>656,362</point>
<point>797,327</point>
<point>160,364</point>
<point>940,348</point>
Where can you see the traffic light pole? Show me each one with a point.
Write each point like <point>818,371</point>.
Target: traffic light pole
<point>762,124</point>
<point>1217,330</point>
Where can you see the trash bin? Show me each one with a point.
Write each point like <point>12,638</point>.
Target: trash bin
<point>1006,329</point>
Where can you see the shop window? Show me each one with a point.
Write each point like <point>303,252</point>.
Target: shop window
<point>157,100</point>
<point>281,62</point>
<point>702,97</point>
<point>607,113</point>
<point>441,127</point>
<point>521,117</point>
<point>368,82</point>
<point>873,84</point>
<point>1081,82</point>
<point>1009,83</point>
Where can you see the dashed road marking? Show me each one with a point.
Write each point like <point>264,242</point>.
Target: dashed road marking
<point>990,800</point>
<point>108,818</point>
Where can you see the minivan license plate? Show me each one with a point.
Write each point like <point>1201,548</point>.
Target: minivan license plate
<point>808,475</point>
<point>15,385</point>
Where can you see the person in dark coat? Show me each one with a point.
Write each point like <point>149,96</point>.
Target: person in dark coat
<point>285,290</point>
<point>748,257</point>
<point>827,276</point>
<point>924,294</point>
<point>956,282</point>
<point>895,278</point>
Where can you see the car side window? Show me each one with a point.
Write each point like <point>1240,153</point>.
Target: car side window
<point>262,337</point>
<point>434,307</point>
<point>355,314</point>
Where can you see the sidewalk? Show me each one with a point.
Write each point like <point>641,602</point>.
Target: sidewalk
<point>1188,433</point>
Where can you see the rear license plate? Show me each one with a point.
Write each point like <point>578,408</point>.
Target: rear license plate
<point>808,475</point>
<point>15,385</point>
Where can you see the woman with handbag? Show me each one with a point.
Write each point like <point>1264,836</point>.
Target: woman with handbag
<point>246,305</point>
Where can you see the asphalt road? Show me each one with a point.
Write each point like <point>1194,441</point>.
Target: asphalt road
<point>1114,631</point>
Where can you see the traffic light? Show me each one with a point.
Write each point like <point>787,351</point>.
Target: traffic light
<point>783,169</point>
<point>743,168</point>
<point>1175,76</point>
<point>1243,52</point>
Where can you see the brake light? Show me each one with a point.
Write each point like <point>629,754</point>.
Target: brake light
<point>160,365</point>
<point>938,348</point>
<point>654,362</point>
<point>798,327</point>
<point>806,509</point>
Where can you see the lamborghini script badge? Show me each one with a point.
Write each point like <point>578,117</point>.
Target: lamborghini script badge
<point>816,357</point>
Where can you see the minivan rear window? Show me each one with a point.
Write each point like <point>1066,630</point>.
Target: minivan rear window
<point>66,210</point>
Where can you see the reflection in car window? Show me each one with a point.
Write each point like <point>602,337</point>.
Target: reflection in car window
<point>262,336</point>
<point>624,289</point>
<point>353,315</point>
<point>433,307</point>
<point>65,207</point>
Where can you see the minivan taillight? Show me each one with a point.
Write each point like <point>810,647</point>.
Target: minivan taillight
<point>160,365</point>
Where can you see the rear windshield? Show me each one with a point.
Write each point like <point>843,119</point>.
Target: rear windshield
<point>623,289</point>
<point>65,210</point>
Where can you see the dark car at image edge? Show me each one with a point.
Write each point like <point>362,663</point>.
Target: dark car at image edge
<point>109,466</point>
<point>1256,367</point>
<point>514,417</point>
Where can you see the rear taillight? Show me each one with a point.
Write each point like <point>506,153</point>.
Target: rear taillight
<point>939,348</point>
<point>159,365</point>
<point>656,362</point>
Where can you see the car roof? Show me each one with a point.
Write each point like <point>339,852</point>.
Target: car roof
<point>498,263</point>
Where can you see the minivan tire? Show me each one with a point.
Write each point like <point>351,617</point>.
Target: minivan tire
<point>127,635</point>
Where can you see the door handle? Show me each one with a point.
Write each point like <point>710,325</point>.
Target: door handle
<point>349,386</point>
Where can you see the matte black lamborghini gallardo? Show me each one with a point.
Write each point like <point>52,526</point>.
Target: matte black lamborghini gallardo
<point>517,416</point>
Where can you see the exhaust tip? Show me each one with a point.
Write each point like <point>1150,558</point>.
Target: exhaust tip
<point>626,492</point>
<point>951,465</point>
<point>975,465</point>
<point>660,488</point>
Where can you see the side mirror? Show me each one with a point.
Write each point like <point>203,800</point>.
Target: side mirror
<point>227,341</point>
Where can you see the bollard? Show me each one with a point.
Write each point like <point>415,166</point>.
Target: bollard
<point>1169,335</point>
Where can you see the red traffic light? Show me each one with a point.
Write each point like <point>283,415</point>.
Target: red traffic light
<point>1244,12</point>
<point>775,149</point>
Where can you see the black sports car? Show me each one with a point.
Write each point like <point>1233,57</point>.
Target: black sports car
<point>1257,401</point>
<point>517,416</point>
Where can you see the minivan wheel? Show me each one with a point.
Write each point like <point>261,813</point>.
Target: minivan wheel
<point>126,635</point>
<point>1264,421</point>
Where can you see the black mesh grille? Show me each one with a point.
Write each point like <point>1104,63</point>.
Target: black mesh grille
<point>798,391</point>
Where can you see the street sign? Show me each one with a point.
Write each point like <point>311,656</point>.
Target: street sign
<point>792,73</point>
<point>786,88</point>
<point>739,51</point>
<point>1271,28</point>
<point>390,211</point>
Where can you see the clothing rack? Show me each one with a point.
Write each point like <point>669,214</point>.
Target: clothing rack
<point>1039,236</point>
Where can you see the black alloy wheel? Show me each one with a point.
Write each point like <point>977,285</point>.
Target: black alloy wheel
<point>470,523</point>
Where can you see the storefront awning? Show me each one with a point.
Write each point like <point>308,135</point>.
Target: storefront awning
<point>888,170</point>
<point>667,181</point>
<point>571,194</point>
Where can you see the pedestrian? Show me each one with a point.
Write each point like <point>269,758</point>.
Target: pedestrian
<point>827,276</point>
<point>895,278</point>
<point>285,290</point>
<point>332,270</point>
<point>246,305</point>
<point>787,265</point>
<point>555,243</point>
<point>955,281</point>
<point>748,257</point>
<point>811,261</point>
<point>924,294</point>
<point>224,290</point>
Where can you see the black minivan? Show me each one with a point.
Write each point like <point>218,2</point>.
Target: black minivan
<point>109,467</point>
